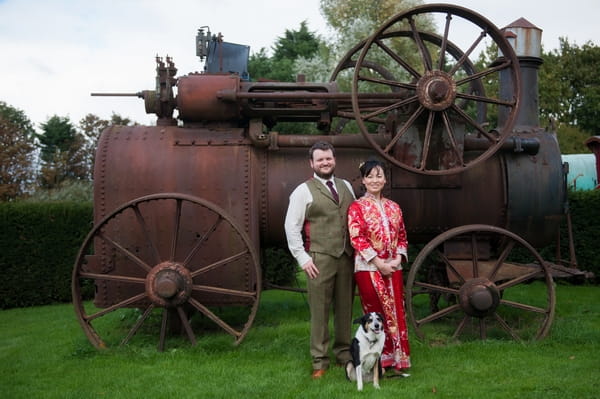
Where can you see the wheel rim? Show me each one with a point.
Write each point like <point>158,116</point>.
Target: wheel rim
<point>157,259</point>
<point>425,131</point>
<point>480,281</point>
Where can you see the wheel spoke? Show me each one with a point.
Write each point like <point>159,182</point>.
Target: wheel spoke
<point>467,53</point>
<point>488,100</point>
<point>387,82</point>
<point>397,58</point>
<point>224,291</point>
<point>404,128</point>
<point>523,306</point>
<point>392,107</point>
<point>484,73</point>
<point>422,49</point>
<point>506,327</point>
<point>427,140</point>
<point>219,263</point>
<point>503,255</point>
<point>452,137</point>
<point>116,306</point>
<point>186,325</point>
<point>451,266</point>
<point>125,252</point>
<point>201,241</point>
<point>204,310</point>
<point>476,125</point>
<point>482,328</point>
<point>138,324</point>
<point>520,279</point>
<point>177,223</point>
<point>460,327</point>
<point>110,277</point>
<point>438,314</point>
<point>144,227</point>
<point>444,42</point>
<point>436,288</point>
<point>163,329</point>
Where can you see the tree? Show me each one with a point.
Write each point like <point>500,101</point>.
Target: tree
<point>294,44</point>
<point>571,85</point>
<point>17,152</point>
<point>62,152</point>
<point>91,126</point>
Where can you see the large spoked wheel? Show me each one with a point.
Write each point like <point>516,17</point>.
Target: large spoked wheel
<point>480,281</point>
<point>426,129</point>
<point>344,72</point>
<point>167,262</point>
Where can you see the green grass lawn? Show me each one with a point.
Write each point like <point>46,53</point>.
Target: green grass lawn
<point>44,354</point>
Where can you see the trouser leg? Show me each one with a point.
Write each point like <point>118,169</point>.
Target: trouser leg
<point>343,300</point>
<point>320,292</point>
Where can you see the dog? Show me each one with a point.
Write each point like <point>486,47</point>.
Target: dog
<point>366,348</point>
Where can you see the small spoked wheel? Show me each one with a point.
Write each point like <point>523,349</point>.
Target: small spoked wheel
<point>168,262</point>
<point>433,111</point>
<point>480,281</point>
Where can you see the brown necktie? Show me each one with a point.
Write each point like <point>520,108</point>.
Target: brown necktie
<point>333,192</point>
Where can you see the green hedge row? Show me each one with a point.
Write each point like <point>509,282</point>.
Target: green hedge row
<point>38,246</point>
<point>39,243</point>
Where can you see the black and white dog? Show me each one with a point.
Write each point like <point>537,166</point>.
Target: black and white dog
<point>366,349</point>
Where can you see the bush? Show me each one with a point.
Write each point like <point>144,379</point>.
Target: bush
<point>39,245</point>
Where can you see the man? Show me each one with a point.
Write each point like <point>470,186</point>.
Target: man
<point>317,236</point>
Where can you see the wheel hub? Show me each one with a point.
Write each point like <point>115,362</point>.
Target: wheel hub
<point>479,297</point>
<point>169,284</point>
<point>436,90</point>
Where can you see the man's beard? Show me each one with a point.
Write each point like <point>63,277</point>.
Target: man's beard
<point>324,176</point>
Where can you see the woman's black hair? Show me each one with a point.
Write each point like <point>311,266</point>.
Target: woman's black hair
<point>366,167</point>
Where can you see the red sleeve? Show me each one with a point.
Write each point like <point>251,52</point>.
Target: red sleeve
<point>357,228</point>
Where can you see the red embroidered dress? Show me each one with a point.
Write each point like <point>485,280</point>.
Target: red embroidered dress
<point>376,228</point>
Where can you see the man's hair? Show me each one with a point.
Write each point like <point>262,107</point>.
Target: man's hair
<point>320,145</point>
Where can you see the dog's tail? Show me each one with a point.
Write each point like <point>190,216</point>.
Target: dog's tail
<point>350,371</point>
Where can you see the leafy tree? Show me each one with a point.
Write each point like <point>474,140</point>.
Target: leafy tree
<point>17,152</point>
<point>62,152</point>
<point>571,85</point>
<point>259,64</point>
<point>294,44</point>
<point>91,126</point>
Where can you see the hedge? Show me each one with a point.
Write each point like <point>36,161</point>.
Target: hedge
<point>39,243</point>
<point>38,246</point>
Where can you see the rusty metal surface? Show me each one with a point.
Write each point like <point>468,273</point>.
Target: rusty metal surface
<point>138,161</point>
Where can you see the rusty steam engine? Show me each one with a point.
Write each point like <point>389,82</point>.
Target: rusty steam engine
<point>182,209</point>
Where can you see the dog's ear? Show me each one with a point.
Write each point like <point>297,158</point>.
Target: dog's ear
<point>381,316</point>
<point>358,321</point>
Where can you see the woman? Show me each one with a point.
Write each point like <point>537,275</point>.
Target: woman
<point>378,235</point>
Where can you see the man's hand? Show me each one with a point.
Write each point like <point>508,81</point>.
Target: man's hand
<point>310,269</point>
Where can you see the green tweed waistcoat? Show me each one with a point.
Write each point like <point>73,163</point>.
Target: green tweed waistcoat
<point>326,226</point>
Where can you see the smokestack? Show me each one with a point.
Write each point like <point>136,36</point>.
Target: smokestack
<point>526,40</point>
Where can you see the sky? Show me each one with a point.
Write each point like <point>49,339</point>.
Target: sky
<point>56,52</point>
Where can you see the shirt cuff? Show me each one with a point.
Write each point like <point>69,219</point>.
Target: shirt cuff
<point>368,254</point>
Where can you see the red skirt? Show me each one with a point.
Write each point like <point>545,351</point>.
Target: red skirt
<point>386,296</point>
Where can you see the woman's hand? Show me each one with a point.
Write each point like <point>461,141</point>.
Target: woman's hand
<point>386,268</point>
